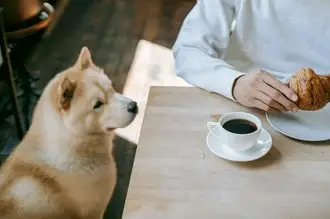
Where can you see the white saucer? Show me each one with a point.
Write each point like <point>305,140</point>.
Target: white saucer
<point>303,125</point>
<point>260,149</point>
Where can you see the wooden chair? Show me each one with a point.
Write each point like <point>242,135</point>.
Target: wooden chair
<point>23,38</point>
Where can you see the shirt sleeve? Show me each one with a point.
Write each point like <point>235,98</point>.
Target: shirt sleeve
<point>201,45</point>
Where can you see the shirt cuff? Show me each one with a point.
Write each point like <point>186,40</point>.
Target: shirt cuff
<point>224,81</point>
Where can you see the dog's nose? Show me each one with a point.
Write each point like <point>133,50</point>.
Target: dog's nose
<point>132,107</point>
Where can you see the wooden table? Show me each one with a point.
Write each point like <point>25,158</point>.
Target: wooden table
<point>176,176</point>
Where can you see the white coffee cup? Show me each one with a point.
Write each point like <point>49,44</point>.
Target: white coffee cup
<point>236,141</point>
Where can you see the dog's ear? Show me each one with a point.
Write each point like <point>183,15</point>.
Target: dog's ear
<point>84,59</point>
<point>65,93</point>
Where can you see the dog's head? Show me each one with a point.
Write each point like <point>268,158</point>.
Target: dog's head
<point>87,101</point>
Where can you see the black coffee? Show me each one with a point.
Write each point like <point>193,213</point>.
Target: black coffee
<point>240,126</point>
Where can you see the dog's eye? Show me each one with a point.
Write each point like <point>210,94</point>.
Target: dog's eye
<point>97,105</point>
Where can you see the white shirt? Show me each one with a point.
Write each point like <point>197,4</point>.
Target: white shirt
<point>278,36</point>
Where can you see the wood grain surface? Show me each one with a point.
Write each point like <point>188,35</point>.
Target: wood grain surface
<point>175,175</point>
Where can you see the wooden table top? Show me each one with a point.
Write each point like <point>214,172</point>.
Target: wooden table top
<point>176,176</point>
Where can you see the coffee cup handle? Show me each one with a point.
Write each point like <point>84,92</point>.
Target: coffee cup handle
<point>211,126</point>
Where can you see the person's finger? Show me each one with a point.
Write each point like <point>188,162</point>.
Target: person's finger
<point>261,105</point>
<point>278,96</point>
<point>276,84</point>
<point>270,101</point>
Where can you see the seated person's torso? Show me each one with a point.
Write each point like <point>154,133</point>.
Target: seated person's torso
<point>281,36</point>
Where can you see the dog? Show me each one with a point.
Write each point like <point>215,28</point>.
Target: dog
<point>64,167</point>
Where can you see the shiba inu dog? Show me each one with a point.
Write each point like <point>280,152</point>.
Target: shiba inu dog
<point>64,167</point>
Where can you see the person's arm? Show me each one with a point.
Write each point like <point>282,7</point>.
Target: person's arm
<point>201,44</point>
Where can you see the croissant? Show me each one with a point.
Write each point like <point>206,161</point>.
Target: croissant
<point>313,90</point>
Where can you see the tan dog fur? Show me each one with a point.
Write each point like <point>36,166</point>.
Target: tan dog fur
<point>64,167</point>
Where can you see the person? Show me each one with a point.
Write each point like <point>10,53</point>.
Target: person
<point>247,50</point>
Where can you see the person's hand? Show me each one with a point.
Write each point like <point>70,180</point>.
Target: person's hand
<point>263,91</point>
